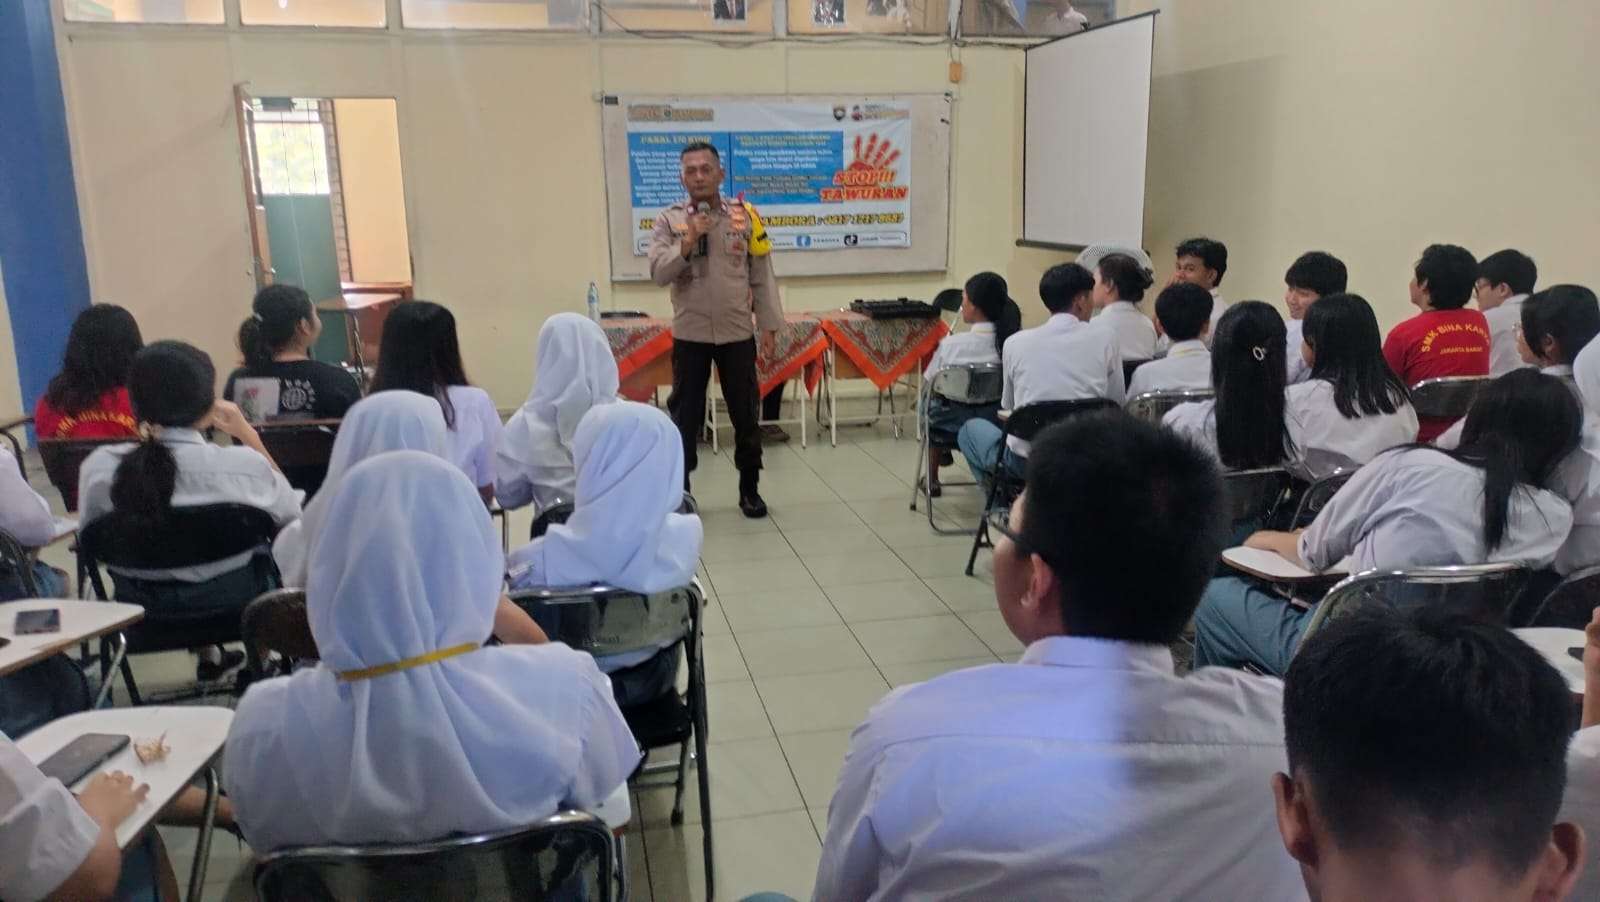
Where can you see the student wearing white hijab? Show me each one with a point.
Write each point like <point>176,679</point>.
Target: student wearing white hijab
<point>408,729</point>
<point>575,372</point>
<point>624,531</point>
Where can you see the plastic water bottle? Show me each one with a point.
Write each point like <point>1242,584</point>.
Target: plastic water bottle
<point>594,302</point>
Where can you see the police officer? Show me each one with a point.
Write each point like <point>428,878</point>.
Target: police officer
<point>714,254</point>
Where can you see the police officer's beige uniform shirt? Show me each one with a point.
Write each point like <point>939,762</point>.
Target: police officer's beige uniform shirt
<point>713,295</point>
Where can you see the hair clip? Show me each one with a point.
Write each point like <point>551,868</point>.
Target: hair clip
<point>1259,352</point>
<point>257,317</point>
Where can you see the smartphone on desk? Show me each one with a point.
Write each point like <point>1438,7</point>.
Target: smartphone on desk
<point>31,623</point>
<point>78,758</point>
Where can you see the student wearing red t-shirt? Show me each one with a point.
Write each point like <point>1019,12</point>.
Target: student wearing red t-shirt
<point>89,398</point>
<point>1446,338</point>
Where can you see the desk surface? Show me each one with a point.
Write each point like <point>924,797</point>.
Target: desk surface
<point>1553,642</point>
<point>80,620</point>
<point>195,735</point>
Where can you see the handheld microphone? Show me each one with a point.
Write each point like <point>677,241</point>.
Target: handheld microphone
<point>702,207</point>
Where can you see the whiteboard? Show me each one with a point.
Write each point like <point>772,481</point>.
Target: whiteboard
<point>1085,128</point>
<point>930,191</point>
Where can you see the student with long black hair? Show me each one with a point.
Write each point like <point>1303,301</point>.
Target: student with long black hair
<point>171,386</point>
<point>984,306</point>
<point>1244,425</point>
<point>279,379</point>
<point>1353,407</point>
<point>89,397</point>
<point>1562,321</point>
<point>421,353</point>
<point>1415,506</point>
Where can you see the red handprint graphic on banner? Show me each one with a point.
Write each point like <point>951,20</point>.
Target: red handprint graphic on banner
<point>876,157</point>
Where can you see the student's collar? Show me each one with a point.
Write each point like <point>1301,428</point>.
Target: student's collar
<point>1063,319</point>
<point>182,436</point>
<point>1216,294</point>
<point>1185,348</point>
<point>1098,654</point>
<point>982,328</point>
<point>1560,369</point>
<point>1121,303</point>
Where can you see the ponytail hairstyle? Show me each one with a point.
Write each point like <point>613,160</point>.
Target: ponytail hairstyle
<point>100,351</point>
<point>171,384</point>
<point>1569,314</point>
<point>1124,273</point>
<point>1343,332</point>
<point>1247,372</point>
<point>987,292</point>
<point>419,352</point>
<point>278,311</point>
<point>1520,427</point>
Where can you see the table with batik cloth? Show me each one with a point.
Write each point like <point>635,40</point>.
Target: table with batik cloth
<point>835,344</point>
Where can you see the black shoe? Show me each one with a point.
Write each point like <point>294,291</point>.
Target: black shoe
<point>774,433</point>
<point>211,671</point>
<point>751,505</point>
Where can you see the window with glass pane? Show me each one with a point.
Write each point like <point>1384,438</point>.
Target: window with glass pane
<point>318,13</point>
<point>869,16</point>
<point>535,15</point>
<point>1034,18</point>
<point>734,16</point>
<point>183,12</point>
<point>291,146</point>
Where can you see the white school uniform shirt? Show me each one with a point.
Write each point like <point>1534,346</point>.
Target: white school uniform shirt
<point>23,512</point>
<point>45,835</point>
<point>1195,421</point>
<point>1085,771</point>
<point>1577,478</point>
<point>207,474</point>
<point>1218,307</point>
<point>1063,359</point>
<point>974,346</point>
<point>1581,805</point>
<point>1419,507</point>
<point>1294,360</point>
<point>1503,356</point>
<point>475,433</point>
<point>1322,434</point>
<point>1187,366</point>
<point>1136,335</point>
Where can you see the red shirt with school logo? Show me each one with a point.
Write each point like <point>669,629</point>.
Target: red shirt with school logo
<point>110,417</point>
<point>1438,343</point>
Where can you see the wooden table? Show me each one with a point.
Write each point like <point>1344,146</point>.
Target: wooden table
<point>195,735</point>
<point>80,622</point>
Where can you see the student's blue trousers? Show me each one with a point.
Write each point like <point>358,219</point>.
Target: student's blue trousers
<point>979,441</point>
<point>1240,622</point>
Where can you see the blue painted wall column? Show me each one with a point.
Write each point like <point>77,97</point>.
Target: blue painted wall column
<point>41,238</point>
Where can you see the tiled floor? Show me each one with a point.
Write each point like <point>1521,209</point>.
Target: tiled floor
<point>813,614</point>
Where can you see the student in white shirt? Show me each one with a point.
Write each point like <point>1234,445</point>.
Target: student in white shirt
<point>575,371</point>
<point>409,728</point>
<point>1556,334</point>
<point>984,303</point>
<point>420,353</point>
<point>1505,279</point>
<point>1415,506</point>
<point>1353,407</point>
<point>26,517</point>
<point>1119,285</point>
<point>1203,262</point>
<point>1060,360</point>
<point>1312,275</point>
<point>172,390</point>
<point>1183,314</point>
<point>1055,777</point>
<point>1244,426</point>
<point>1581,802</point>
<point>1426,761</point>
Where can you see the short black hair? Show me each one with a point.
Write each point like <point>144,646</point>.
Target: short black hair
<point>1183,309</point>
<point>1135,570</point>
<point>1062,283</point>
<point>1429,727</point>
<point>697,146</point>
<point>1214,254</point>
<point>1450,271</point>
<point>1509,267</point>
<point>1319,272</point>
<point>1568,313</point>
<point>1126,275</point>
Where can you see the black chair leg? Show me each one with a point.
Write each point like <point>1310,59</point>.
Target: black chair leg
<point>704,774</point>
<point>980,537</point>
<point>133,688</point>
<point>683,779</point>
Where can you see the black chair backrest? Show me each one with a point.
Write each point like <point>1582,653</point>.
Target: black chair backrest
<point>1316,497</point>
<point>1029,420</point>
<point>276,621</point>
<point>969,383</point>
<point>303,443</point>
<point>1572,602</point>
<point>15,563</point>
<point>1128,366</point>
<point>1446,398</point>
<point>63,458</point>
<point>556,858</point>
<point>1152,406</point>
<point>199,534</point>
<point>603,620</point>
<point>1254,493</point>
<point>1484,592</point>
<point>559,512</point>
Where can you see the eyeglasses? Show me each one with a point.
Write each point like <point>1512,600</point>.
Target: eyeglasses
<point>1000,522</point>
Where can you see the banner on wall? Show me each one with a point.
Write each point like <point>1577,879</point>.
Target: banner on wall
<point>823,176</point>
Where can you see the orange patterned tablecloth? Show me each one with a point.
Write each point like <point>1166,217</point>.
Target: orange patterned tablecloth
<point>640,343</point>
<point>883,349</point>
